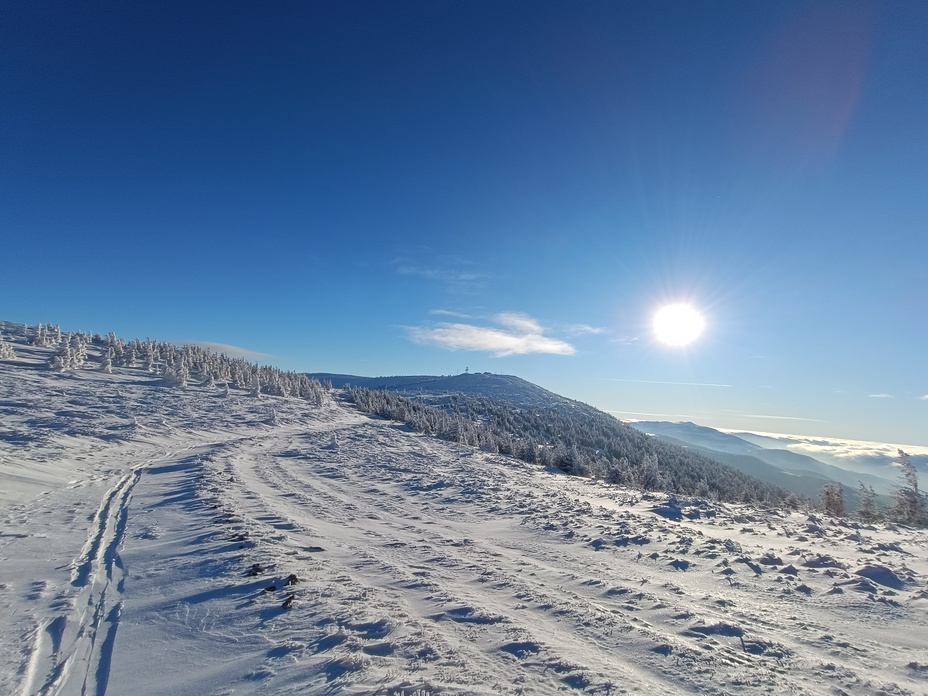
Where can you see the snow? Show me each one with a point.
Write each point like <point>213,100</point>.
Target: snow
<point>148,535</point>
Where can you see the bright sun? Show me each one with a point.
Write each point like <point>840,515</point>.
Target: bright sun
<point>678,324</point>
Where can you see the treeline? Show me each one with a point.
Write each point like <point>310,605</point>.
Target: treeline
<point>177,366</point>
<point>581,440</point>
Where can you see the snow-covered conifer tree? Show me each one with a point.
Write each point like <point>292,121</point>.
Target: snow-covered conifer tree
<point>78,345</point>
<point>131,355</point>
<point>832,498</point>
<point>62,359</point>
<point>149,357</point>
<point>107,364</point>
<point>648,473</point>
<point>6,350</point>
<point>867,509</point>
<point>909,507</point>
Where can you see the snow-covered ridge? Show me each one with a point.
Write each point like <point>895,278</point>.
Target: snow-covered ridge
<point>198,540</point>
<point>508,388</point>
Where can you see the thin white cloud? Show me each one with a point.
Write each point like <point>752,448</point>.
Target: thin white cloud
<point>518,322</point>
<point>624,340</point>
<point>231,351</point>
<point>452,278</point>
<point>880,396</point>
<point>684,384</point>
<point>449,313</point>
<point>795,418</point>
<point>583,329</point>
<point>521,335</point>
<point>924,398</point>
<point>445,274</point>
<point>660,415</point>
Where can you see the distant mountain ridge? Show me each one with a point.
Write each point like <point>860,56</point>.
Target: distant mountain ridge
<point>740,451</point>
<point>508,388</point>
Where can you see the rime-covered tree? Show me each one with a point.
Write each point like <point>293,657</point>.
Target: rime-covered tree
<point>149,356</point>
<point>909,505</point>
<point>832,499</point>
<point>63,359</point>
<point>78,343</point>
<point>648,474</point>
<point>868,511</point>
<point>106,364</point>
<point>40,336</point>
<point>6,350</point>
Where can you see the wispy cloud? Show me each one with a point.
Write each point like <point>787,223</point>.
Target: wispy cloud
<point>624,340</point>
<point>685,384</point>
<point>449,274</point>
<point>449,313</point>
<point>520,335</point>
<point>652,415</point>
<point>924,398</point>
<point>231,351</point>
<point>880,396</point>
<point>583,329</point>
<point>793,418</point>
<point>518,322</point>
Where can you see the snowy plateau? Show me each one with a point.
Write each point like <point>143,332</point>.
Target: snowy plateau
<point>207,540</point>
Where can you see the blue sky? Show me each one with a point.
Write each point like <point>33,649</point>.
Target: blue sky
<point>423,187</point>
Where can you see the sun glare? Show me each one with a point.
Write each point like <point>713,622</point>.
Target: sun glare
<point>678,324</point>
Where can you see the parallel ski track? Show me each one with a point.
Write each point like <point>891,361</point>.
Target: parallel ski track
<point>72,651</point>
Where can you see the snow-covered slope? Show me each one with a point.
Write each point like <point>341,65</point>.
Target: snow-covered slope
<point>193,541</point>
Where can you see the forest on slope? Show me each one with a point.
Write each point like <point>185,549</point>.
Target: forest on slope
<point>582,441</point>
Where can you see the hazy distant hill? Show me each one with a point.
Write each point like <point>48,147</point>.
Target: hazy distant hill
<point>693,434</point>
<point>808,484</point>
<point>803,471</point>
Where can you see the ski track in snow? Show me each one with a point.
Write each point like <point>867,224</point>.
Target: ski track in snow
<point>148,536</point>
<point>72,650</point>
